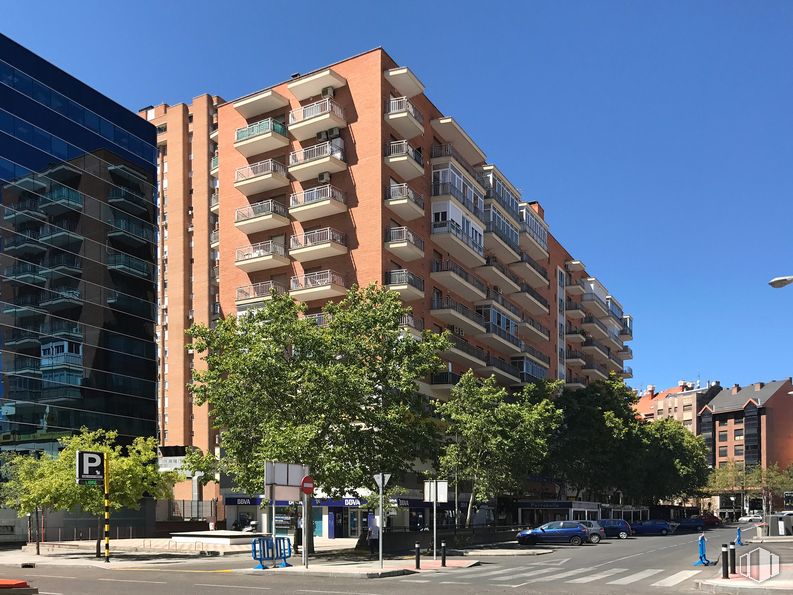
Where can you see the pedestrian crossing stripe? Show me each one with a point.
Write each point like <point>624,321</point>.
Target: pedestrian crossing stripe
<point>468,571</point>
<point>597,576</point>
<point>632,578</point>
<point>554,577</point>
<point>526,574</point>
<point>495,572</point>
<point>671,581</point>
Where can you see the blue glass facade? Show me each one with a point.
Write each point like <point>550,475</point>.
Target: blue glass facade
<point>77,258</point>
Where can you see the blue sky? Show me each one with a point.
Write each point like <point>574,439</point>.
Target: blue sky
<point>658,136</point>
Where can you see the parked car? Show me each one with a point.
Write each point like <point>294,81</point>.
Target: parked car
<point>751,518</point>
<point>693,523</point>
<point>595,530</point>
<point>711,520</point>
<point>616,528</point>
<point>652,527</point>
<point>571,532</point>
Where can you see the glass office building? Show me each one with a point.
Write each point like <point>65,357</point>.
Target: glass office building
<point>77,258</point>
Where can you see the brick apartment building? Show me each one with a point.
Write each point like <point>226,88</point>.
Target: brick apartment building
<point>350,174</point>
<point>682,403</point>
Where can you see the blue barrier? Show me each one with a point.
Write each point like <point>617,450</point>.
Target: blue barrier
<point>738,537</point>
<point>261,550</point>
<point>283,550</point>
<point>703,558</point>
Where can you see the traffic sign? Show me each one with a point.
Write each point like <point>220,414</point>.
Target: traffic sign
<point>90,467</point>
<point>307,485</point>
<point>385,476</point>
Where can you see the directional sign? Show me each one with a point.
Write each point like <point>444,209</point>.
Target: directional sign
<point>436,490</point>
<point>386,477</point>
<point>90,467</point>
<point>307,485</point>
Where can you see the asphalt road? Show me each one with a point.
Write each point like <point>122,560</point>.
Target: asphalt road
<point>637,565</point>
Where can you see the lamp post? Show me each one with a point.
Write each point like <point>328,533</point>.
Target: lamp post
<point>778,282</point>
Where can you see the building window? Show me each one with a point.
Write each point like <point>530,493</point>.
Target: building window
<point>738,434</point>
<point>686,422</point>
<point>738,450</point>
<point>722,422</point>
<point>722,451</point>
<point>687,407</point>
<point>723,436</point>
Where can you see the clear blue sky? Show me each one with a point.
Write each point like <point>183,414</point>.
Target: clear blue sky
<point>657,135</point>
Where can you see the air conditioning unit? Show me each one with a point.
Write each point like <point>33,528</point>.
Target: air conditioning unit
<point>323,135</point>
<point>334,133</point>
<point>328,92</point>
<point>324,177</point>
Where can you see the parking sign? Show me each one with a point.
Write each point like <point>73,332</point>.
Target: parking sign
<point>90,467</point>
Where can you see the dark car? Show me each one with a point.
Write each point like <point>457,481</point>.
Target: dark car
<point>652,527</point>
<point>616,528</point>
<point>711,520</point>
<point>596,532</point>
<point>571,532</point>
<point>693,523</point>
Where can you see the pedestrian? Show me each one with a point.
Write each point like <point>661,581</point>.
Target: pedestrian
<point>298,532</point>
<point>235,526</point>
<point>373,537</point>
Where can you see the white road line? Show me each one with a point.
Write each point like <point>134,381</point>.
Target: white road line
<point>414,580</point>
<point>554,577</point>
<point>632,578</point>
<point>471,570</point>
<point>597,576</point>
<point>237,587</point>
<point>49,593</point>
<point>679,577</point>
<point>526,574</point>
<point>453,583</point>
<point>50,576</point>
<point>122,580</point>
<point>495,572</point>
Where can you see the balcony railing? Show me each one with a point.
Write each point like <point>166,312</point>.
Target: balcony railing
<point>259,290</point>
<point>452,227</point>
<point>318,194</point>
<point>500,364</point>
<point>513,243</point>
<point>130,262</point>
<point>510,205</point>
<point>572,354</point>
<point>213,163</point>
<point>410,321</point>
<point>312,110</point>
<point>24,237</point>
<point>536,325</point>
<point>126,194</point>
<point>448,150</point>
<point>442,266</point>
<point>331,148</point>
<point>499,299</point>
<point>258,128</point>
<point>22,268</point>
<point>448,303</point>
<point>404,277</point>
<point>317,236</point>
<point>492,261</point>
<point>464,346</point>
<point>26,363</point>
<point>590,365</point>
<point>402,104</point>
<point>589,342</point>
<point>62,292</point>
<point>214,200</point>
<point>573,330</point>
<point>533,293</point>
<point>596,322</point>
<point>493,329</point>
<point>403,234</point>
<point>64,260</point>
<point>268,248</point>
<point>268,166</point>
<point>445,378</point>
<point>402,147</point>
<point>593,297</point>
<point>260,209</point>
<point>320,318</point>
<point>140,230</point>
<point>571,305</point>
<point>214,236</point>
<point>447,188</point>
<point>63,194</point>
<point>532,226</point>
<point>575,380</point>
<point>318,279</point>
<point>533,264</point>
<point>397,191</point>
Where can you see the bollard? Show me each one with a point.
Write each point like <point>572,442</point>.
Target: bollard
<point>418,556</point>
<point>732,557</point>
<point>98,549</point>
<point>443,553</point>
<point>725,571</point>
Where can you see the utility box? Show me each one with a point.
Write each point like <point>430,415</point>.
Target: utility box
<point>779,525</point>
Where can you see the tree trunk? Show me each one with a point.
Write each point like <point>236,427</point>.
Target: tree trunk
<point>470,511</point>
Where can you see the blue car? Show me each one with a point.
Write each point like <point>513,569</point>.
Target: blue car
<point>693,523</point>
<point>570,532</point>
<point>652,527</point>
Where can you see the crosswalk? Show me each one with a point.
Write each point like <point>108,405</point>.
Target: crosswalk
<point>516,576</point>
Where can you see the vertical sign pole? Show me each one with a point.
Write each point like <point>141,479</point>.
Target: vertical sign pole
<point>305,529</point>
<point>434,519</point>
<point>107,507</point>
<point>382,526</point>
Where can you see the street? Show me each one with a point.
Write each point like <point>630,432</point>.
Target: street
<point>644,564</point>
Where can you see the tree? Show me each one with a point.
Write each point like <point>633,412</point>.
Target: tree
<point>768,482</point>
<point>498,440</point>
<point>49,482</point>
<point>339,397</point>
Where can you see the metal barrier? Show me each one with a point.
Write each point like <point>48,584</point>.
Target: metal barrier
<point>261,550</point>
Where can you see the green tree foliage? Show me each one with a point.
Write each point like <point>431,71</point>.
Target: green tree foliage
<point>339,397</point>
<point>496,441</point>
<point>49,482</point>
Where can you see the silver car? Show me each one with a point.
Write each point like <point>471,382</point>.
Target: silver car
<point>594,530</point>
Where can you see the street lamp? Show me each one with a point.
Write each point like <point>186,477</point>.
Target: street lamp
<point>778,282</point>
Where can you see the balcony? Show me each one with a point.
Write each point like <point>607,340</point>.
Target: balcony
<point>131,233</point>
<point>626,333</point>
<point>316,244</point>
<point>261,216</point>
<point>448,192</point>
<point>63,234</point>
<point>498,243</point>
<point>257,293</point>
<point>26,209</point>
<point>214,238</point>
<point>537,356</point>
<point>530,271</point>
<point>596,349</point>
<point>317,286</point>
<point>594,304</point>
<point>132,305</point>
<point>214,202</point>
<point>260,137</point>
<point>575,383</point>
<point>129,265</point>
<point>594,370</point>
<point>260,177</point>
<point>63,329</point>
<point>308,120</point>
<point>531,301</point>
<point>23,307</point>
<point>62,298</point>
<point>594,327</point>
<point>627,372</point>
<point>463,353</point>
<point>308,163</point>
<point>129,200</point>
<point>214,165</point>
<point>317,203</point>
<point>405,160</point>
<point>63,265</point>
<point>455,314</point>
<point>315,84</point>
<point>61,199</point>
<point>441,384</point>
<point>497,338</point>
<point>24,243</point>
<point>26,365</point>
<point>613,340</point>
<point>574,288</point>
<point>404,81</point>
<point>575,358</point>
<point>574,266</point>
<point>412,326</point>
<point>404,244</point>
<point>625,353</point>
<point>450,236</point>
<point>504,371</point>
<point>409,286</point>
<point>26,273</point>
<point>498,275</point>
<point>319,318</point>
<point>404,117</point>
<point>261,257</point>
<point>534,329</point>
<point>260,103</point>
<point>573,310</point>
<point>25,338</point>
<point>406,203</point>
<point>534,235</point>
<point>453,277</point>
<point>62,360</point>
<point>573,334</point>
<point>448,129</point>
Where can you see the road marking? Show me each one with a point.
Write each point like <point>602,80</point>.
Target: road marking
<point>230,586</point>
<point>597,576</point>
<point>334,592</point>
<point>415,580</point>
<point>50,576</point>
<point>454,583</point>
<point>554,577</point>
<point>495,572</point>
<point>49,593</point>
<point>676,578</point>
<point>558,562</point>
<point>124,580</point>
<point>632,578</point>
<point>525,574</point>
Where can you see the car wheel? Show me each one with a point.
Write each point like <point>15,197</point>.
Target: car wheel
<point>594,539</point>
<point>664,531</point>
<point>576,540</point>
<point>623,535</point>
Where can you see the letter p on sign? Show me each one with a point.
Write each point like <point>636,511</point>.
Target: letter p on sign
<point>90,467</point>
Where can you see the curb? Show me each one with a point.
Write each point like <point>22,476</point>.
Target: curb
<point>504,553</point>
<point>708,587</point>
<point>337,574</point>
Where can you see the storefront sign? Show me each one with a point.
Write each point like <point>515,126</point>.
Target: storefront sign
<point>344,502</point>
<point>242,501</point>
<point>555,504</point>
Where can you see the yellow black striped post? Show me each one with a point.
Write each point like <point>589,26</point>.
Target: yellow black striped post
<point>107,509</point>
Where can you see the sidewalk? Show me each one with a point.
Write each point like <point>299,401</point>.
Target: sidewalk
<point>365,570</point>
<point>740,584</point>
